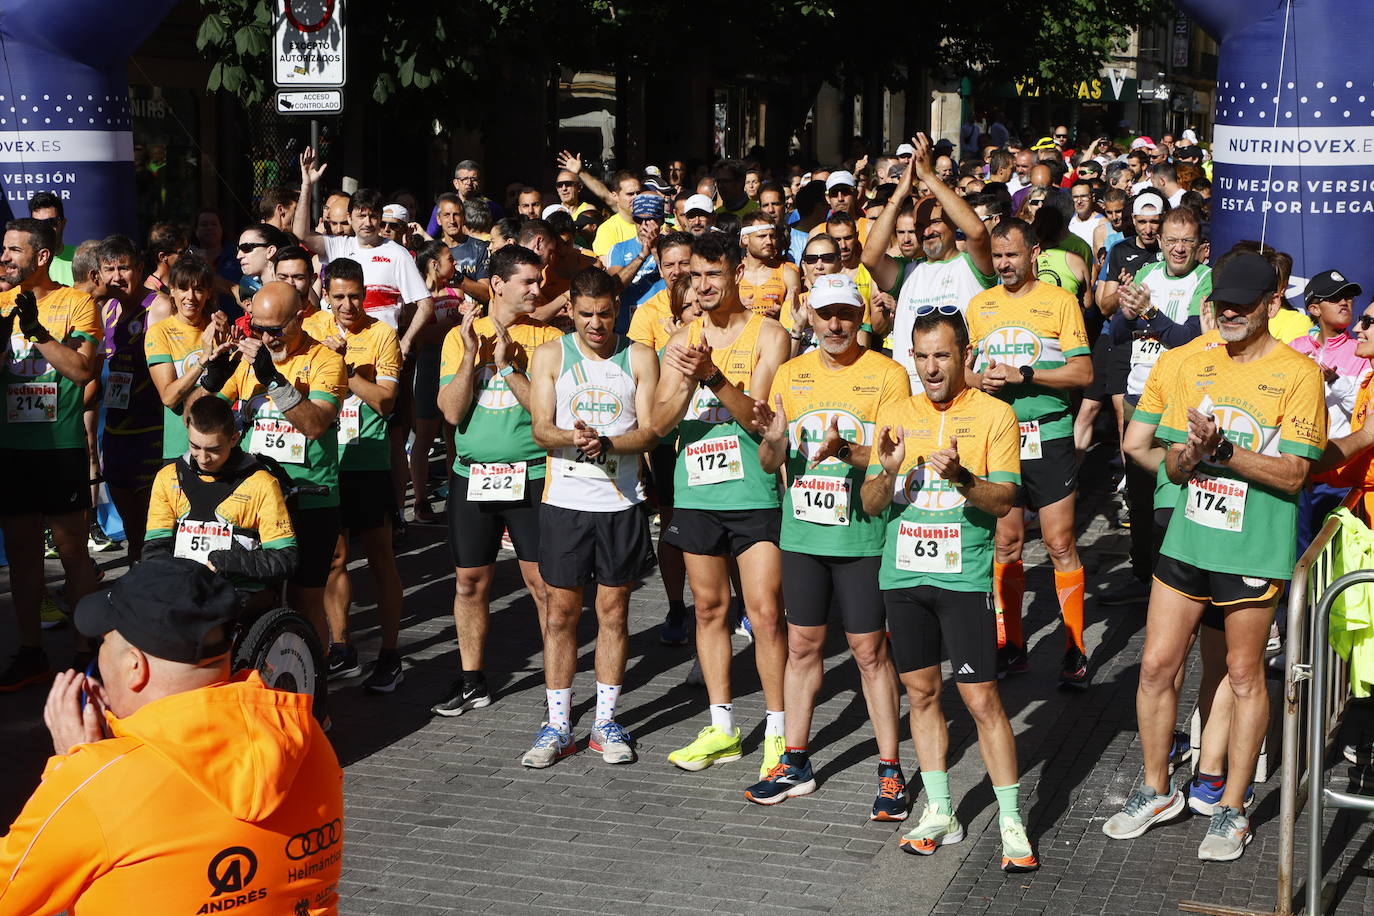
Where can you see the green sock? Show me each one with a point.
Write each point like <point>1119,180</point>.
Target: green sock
<point>937,790</point>
<point>1007,801</point>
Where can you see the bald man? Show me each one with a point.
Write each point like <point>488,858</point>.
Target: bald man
<point>1039,176</point>
<point>289,388</point>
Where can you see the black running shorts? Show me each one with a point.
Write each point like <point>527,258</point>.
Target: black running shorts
<point>923,618</point>
<point>610,548</point>
<point>810,583</point>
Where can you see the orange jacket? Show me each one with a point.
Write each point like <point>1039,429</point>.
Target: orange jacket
<point>227,798</point>
<point>1358,472</point>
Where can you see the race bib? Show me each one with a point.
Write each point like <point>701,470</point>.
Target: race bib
<point>1145,351</point>
<point>195,540</point>
<point>117,390</point>
<point>496,483</point>
<point>277,438</point>
<point>821,500</point>
<point>1217,502</point>
<point>929,548</point>
<point>573,463</point>
<point>713,461</point>
<point>31,402</point>
<point>1030,440</point>
<point>350,420</point>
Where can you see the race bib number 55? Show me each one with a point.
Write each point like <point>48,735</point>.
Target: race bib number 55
<point>196,540</point>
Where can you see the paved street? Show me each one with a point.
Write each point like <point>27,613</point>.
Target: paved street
<point>443,819</point>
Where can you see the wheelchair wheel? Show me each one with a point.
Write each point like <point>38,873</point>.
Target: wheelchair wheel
<point>282,647</point>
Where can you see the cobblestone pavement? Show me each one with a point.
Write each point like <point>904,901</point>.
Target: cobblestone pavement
<point>443,819</point>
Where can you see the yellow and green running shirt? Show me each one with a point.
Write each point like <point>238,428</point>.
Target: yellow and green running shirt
<point>173,341</point>
<point>935,536</point>
<point>42,406</point>
<point>718,457</point>
<point>318,373</point>
<point>1155,399</point>
<point>496,430</point>
<point>1043,329</point>
<point>1274,405</point>
<point>822,513</point>
<point>373,351</point>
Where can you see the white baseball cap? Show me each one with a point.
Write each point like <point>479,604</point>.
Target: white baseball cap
<point>839,178</point>
<point>835,289</point>
<point>906,149</point>
<point>699,202</point>
<point>1147,205</point>
<point>550,210</point>
<point>395,213</point>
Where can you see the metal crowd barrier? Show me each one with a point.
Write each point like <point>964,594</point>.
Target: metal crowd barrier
<point>1312,586</point>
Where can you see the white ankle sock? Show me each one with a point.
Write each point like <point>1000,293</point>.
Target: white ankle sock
<point>774,723</point>
<point>606,697</point>
<point>560,707</point>
<point>723,718</point>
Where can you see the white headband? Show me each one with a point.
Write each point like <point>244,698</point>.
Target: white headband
<point>756,227</point>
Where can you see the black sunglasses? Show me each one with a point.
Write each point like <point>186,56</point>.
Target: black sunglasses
<point>830,257</point>
<point>269,330</point>
<point>248,247</point>
<point>565,184</point>
<point>1364,321</point>
<point>1061,136</point>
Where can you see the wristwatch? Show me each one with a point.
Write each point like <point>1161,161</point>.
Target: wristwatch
<point>1224,453</point>
<point>715,380</point>
<point>1027,374</point>
<point>844,451</point>
<point>964,478</point>
<point>1150,313</point>
<point>502,373</point>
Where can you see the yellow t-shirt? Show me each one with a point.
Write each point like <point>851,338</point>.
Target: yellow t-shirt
<point>612,232</point>
<point>256,506</point>
<point>375,352</point>
<point>647,323</point>
<point>771,292</point>
<point>43,408</point>
<point>822,513</point>
<point>1289,324</point>
<point>173,341</point>
<point>939,538</point>
<point>1154,400</point>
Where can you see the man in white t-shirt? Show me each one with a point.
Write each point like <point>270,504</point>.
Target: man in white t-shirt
<point>947,276</point>
<point>1086,218</point>
<point>389,274</point>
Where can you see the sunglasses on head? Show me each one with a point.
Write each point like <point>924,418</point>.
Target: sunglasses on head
<point>922,310</point>
<point>269,330</point>
<point>830,257</point>
<point>249,247</point>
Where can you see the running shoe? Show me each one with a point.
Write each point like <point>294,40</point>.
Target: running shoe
<point>612,742</point>
<point>98,541</point>
<point>343,661</point>
<point>1142,811</point>
<point>550,746</point>
<point>1227,836</point>
<point>774,746</point>
<point>29,666</point>
<point>49,546</point>
<point>1178,754</point>
<point>1360,754</point>
<point>1017,854</point>
<point>892,803</point>
<point>1275,641</point>
<point>386,674</point>
<point>787,779</point>
<point>1204,795</point>
<point>1012,659</point>
<point>694,677</point>
<point>745,628</point>
<point>462,698</point>
<point>426,516</point>
<point>712,745</point>
<point>506,542</point>
<point>933,830</point>
<point>1074,672</point>
<point>50,616</point>
<point>673,633</point>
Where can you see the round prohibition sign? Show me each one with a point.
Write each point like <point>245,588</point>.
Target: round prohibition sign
<point>308,15</point>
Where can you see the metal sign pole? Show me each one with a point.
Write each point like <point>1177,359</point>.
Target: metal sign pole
<point>315,188</point>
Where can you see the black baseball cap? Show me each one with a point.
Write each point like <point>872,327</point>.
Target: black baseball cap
<point>1330,284</point>
<point>166,606</point>
<point>1187,154</point>
<point>1241,280</point>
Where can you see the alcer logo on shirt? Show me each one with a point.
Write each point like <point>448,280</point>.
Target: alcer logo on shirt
<point>1014,345</point>
<point>927,492</point>
<point>706,408</point>
<point>596,407</point>
<point>494,393</point>
<point>809,431</point>
<point>1240,427</point>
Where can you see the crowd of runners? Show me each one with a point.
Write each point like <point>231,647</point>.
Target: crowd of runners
<point>854,387</point>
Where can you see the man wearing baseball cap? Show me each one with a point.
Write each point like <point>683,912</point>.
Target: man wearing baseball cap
<point>632,262</point>
<point>841,191</point>
<point>820,425</point>
<point>172,783</point>
<point>699,214</point>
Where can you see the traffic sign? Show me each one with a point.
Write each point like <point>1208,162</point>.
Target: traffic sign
<point>309,101</point>
<point>308,44</point>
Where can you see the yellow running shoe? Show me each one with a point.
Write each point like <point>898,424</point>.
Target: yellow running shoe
<point>1017,854</point>
<point>712,745</point>
<point>933,830</point>
<point>773,747</point>
<point>50,616</point>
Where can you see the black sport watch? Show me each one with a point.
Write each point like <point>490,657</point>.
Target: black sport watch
<point>1225,452</point>
<point>1027,374</point>
<point>844,451</point>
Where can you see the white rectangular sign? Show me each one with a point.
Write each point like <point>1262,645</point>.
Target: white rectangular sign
<point>308,44</point>
<point>309,101</point>
<point>1287,146</point>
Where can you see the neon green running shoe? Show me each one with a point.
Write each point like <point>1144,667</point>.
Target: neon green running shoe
<point>50,616</point>
<point>933,830</point>
<point>712,745</point>
<point>773,747</point>
<point>1017,854</point>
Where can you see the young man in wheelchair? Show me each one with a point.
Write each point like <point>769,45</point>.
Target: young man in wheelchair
<point>223,507</point>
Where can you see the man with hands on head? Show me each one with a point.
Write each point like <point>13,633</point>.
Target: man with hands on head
<point>591,400</point>
<point>945,468</point>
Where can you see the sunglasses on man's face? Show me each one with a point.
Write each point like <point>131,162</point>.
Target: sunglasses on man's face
<point>269,330</point>
<point>565,184</point>
<point>830,257</point>
<point>1364,321</point>
<point>1061,136</point>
